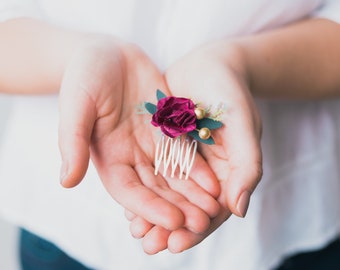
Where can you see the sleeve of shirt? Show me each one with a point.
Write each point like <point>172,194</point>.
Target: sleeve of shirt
<point>329,10</point>
<point>10,9</point>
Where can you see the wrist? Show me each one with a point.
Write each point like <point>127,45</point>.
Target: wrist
<point>232,56</point>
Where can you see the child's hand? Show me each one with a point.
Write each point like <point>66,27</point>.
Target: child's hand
<point>101,88</point>
<point>212,76</point>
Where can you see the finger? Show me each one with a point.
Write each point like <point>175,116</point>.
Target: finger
<point>124,185</point>
<point>139,227</point>
<point>196,195</point>
<point>155,240</point>
<point>129,215</point>
<point>245,163</point>
<point>202,174</point>
<point>240,186</point>
<point>195,218</point>
<point>183,239</point>
<point>77,117</point>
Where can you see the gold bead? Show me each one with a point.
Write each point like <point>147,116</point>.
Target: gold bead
<point>200,113</point>
<point>204,133</point>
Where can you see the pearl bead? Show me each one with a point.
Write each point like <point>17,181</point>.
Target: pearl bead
<point>204,133</point>
<point>200,113</point>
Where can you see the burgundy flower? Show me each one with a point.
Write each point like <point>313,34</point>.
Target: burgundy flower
<point>175,116</point>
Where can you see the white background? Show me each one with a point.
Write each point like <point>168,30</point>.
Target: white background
<point>8,246</point>
<point>8,232</point>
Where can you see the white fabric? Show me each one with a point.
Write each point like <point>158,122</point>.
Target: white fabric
<point>296,206</point>
<point>16,8</point>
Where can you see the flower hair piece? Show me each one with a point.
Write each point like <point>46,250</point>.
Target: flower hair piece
<point>179,120</point>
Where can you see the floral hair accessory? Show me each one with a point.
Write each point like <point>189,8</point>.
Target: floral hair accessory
<point>175,116</point>
<point>183,124</point>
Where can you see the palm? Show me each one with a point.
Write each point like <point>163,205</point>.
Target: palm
<point>235,159</point>
<point>98,109</point>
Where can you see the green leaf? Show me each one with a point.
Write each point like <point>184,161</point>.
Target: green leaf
<point>208,123</point>
<point>160,94</point>
<point>194,135</point>
<point>151,108</point>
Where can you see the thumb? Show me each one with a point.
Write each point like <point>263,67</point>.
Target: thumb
<point>245,167</point>
<point>77,117</point>
<point>237,190</point>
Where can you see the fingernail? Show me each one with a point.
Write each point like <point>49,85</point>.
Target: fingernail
<point>63,172</point>
<point>243,203</point>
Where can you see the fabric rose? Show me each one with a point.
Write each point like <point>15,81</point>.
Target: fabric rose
<point>175,116</point>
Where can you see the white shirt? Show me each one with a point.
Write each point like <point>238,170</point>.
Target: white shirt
<point>295,207</point>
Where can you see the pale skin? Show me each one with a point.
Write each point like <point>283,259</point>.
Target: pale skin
<point>98,77</point>
<point>95,110</point>
<point>290,63</point>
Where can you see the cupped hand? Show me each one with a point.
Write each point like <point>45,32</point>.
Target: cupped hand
<point>213,75</point>
<point>103,84</point>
